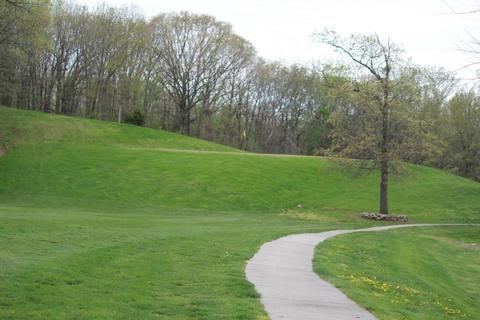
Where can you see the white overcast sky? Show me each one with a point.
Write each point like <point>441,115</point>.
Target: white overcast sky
<point>281,29</point>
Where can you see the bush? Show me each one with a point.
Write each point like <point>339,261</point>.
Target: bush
<point>136,118</point>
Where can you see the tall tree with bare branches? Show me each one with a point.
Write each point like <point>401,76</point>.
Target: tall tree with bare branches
<point>376,62</point>
<point>196,55</point>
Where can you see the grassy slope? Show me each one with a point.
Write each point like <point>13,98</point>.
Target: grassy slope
<point>67,161</point>
<point>101,221</point>
<point>425,274</point>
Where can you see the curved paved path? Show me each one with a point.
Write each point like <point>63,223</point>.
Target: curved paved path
<point>282,273</point>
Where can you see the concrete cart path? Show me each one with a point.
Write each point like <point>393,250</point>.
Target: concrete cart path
<point>282,273</point>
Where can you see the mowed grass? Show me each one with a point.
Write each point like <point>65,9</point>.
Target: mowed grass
<point>425,274</point>
<point>107,221</point>
<point>66,263</point>
<point>68,161</point>
<point>19,127</point>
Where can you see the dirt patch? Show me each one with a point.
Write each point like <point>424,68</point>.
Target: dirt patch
<point>307,216</point>
<point>471,246</point>
<point>3,150</point>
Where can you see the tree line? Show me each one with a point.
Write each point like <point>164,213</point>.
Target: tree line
<point>192,74</point>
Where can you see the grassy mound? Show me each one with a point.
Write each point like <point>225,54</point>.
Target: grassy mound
<point>107,221</point>
<point>20,127</point>
<point>92,164</point>
<point>429,273</point>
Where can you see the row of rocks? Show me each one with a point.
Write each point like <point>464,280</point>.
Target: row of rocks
<point>385,217</point>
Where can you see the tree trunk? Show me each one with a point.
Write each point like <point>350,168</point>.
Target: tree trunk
<point>384,160</point>
<point>384,186</point>
<point>119,118</point>
<point>185,121</point>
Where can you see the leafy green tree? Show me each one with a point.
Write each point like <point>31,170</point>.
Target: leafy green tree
<point>462,120</point>
<point>23,39</point>
<point>375,107</point>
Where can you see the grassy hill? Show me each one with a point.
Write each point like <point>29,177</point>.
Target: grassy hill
<point>107,221</point>
<point>393,276</point>
<point>88,163</point>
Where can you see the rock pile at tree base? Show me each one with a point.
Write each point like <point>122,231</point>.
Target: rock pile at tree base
<point>385,217</point>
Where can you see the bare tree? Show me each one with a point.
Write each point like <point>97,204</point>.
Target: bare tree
<point>196,54</point>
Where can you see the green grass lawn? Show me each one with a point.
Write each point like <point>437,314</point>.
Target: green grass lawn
<point>107,221</point>
<point>424,274</point>
<point>66,263</point>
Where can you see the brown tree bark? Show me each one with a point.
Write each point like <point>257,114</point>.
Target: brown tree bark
<point>184,121</point>
<point>384,172</point>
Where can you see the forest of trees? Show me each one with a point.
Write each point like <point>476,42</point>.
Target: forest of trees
<point>192,74</point>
